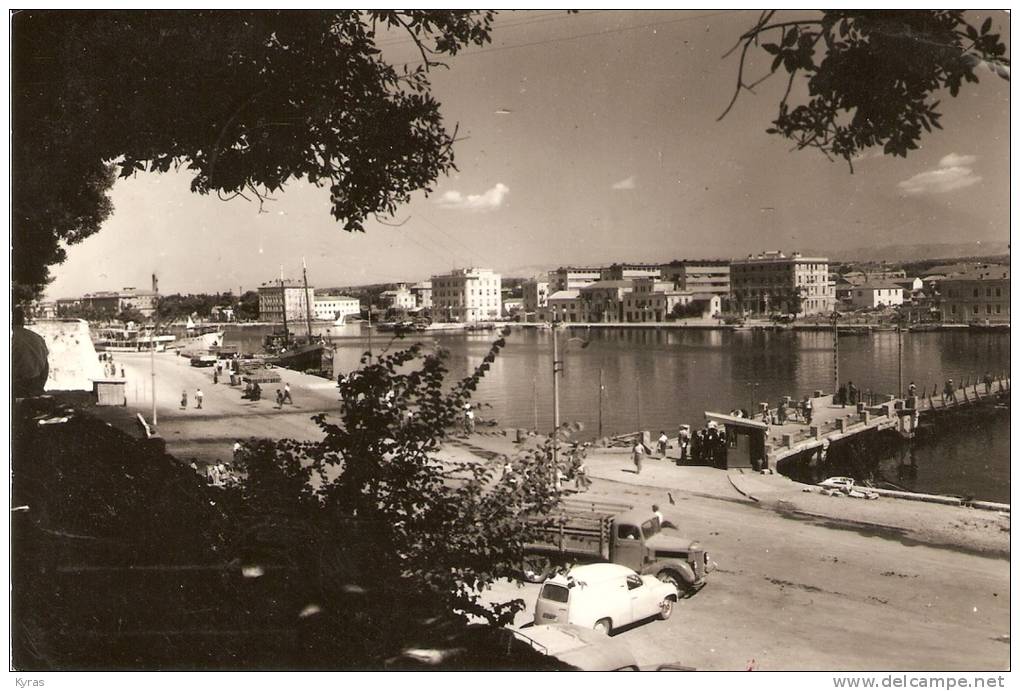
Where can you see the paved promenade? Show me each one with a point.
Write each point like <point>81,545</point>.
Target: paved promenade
<point>208,434</point>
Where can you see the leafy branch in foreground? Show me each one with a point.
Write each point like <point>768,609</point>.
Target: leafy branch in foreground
<point>873,77</point>
<point>426,522</point>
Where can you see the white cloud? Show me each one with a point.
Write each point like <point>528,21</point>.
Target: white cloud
<point>626,184</point>
<point>488,200</point>
<point>953,173</point>
<point>956,160</point>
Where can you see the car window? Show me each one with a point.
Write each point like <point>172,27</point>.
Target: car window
<point>634,582</point>
<point>628,532</point>
<point>556,593</point>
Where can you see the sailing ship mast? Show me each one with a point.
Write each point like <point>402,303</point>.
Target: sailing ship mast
<point>308,306</point>
<point>283,303</point>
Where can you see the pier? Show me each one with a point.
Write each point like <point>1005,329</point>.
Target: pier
<point>832,422</point>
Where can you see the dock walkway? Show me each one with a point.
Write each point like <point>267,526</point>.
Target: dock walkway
<point>831,422</point>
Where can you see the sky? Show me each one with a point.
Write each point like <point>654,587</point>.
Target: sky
<point>584,139</point>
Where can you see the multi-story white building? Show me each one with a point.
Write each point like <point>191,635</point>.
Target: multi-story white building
<point>772,282</point>
<point>422,294</point>
<point>332,307</point>
<point>535,293</point>
<point>572,277</point>
<point>115,302</point>
<point>401,298</point>
<point>275,297</point>
<point>467,295</point>
<point>699,277</point>
<point>625,272</point>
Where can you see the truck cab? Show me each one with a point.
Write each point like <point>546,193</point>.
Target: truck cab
<point>640,542</point>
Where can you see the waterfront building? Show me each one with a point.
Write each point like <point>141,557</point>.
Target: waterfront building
<point>43,310</point>
<point>980,295</point>
<point>563,306</point>
<point>602,301</point>
<point>223,313</point>
<point>624,272</point>
<point>422,293</point>
<point>708,276</point>
<point>572,278</point>
<point>68,306</point>
<point>400,298</point>
<point>881,294</point>
<point>332,307</point>
<point>772,282</point>
<point>467,295</point>
<point>534,295</point>
<point>512,306</point>
<point>115,302</point>
<point>291,296</point>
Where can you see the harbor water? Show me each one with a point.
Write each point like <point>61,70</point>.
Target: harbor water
<point>657,379</point>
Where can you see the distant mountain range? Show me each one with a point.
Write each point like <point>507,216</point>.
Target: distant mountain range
<point>919,252</point>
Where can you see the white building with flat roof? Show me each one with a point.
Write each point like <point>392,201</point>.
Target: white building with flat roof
<point>332,307</point>
<point>467,295</point>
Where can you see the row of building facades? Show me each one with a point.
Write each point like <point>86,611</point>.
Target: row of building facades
<point>759,285</point>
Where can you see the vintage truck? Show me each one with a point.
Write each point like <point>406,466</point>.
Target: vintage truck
<point>585,532</point>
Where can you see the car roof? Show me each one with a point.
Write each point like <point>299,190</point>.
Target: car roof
<point>598,573</point>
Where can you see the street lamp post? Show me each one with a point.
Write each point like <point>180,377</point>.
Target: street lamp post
<point>557,369</point>
<point>835,350</point>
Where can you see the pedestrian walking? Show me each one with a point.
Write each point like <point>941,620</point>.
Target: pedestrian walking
<point>911,389</point>
<point>949,392</point>
<point>988,382</point>
<point>469,419</point>
<point>122,373</point>
<point>852,392</point>
<point>683,442</point>
<point>198,398</point>
<point>184,399</point>
<point>639,456</point>
<point>279,398</point>
<point>286,394</point>
<point>841,395</point>
<point>808,410</point>
<point>663,443</point>
<point>215,377</point>
<point>256,392</point>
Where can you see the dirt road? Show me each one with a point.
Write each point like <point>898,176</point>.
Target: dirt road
<point>795,595</point>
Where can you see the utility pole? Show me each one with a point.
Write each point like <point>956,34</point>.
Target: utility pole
<point>899,348</point>
<point>601,389</point>
<point>556,395</point>
<point>152,343</point>
<point>835,350</point>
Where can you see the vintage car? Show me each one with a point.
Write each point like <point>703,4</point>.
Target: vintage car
<point>604,597</point>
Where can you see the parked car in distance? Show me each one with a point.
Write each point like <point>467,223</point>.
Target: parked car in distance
<point>583,649</point>
<point>603,597</point>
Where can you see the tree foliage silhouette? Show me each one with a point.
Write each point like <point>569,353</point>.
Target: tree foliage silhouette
<point>874,78</point>
<point>244,100</point>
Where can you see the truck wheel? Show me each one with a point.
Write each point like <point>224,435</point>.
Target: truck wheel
<point>536,568</point>
<point>604,626</point>
<point>673,578</point>
<point>666,608</point>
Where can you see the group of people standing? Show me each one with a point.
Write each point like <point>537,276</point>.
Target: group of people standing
<point>848,393</point>
<point>705,446</point>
